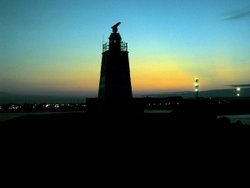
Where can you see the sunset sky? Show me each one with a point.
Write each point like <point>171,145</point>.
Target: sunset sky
<point>55,46</point>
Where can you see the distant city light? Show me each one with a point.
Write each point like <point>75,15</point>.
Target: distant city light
<point>238,94</point>
<point>14,107</point>
<point>238,88</point>
<point>41,107</point>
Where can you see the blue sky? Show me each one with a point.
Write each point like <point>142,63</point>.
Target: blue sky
<point>54,46</point>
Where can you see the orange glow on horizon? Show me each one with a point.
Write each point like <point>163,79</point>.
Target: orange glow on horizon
<point>164,77</point>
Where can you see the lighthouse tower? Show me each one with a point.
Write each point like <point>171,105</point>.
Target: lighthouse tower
<point>115,91</point>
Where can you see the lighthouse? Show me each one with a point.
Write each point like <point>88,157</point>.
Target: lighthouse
<point>115,90</point>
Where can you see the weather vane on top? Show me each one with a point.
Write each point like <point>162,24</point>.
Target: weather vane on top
<point>114,27</point>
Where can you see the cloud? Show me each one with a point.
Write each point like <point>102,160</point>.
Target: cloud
<point>240,85</point>
<point>237,15</point>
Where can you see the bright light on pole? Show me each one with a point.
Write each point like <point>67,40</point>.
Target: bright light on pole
<point>238,91</point>
<point>196,86</point>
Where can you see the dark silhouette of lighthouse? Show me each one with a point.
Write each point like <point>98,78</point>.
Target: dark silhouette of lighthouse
<point>115,91</point>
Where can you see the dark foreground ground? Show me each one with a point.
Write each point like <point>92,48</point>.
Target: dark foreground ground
<point>177,125</point>
<point>135,143</point>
